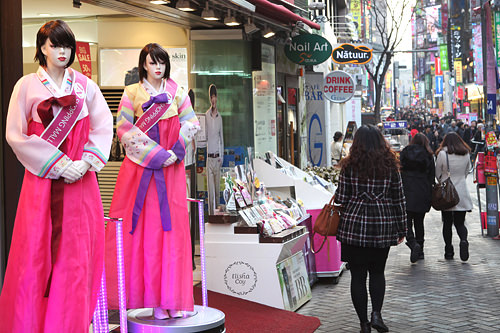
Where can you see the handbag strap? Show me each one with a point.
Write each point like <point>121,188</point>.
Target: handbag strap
<point>448,165</point>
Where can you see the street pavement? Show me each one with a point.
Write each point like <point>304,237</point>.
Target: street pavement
<point>432,295</point>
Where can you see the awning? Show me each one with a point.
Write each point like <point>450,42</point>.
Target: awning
<point>280,13</point>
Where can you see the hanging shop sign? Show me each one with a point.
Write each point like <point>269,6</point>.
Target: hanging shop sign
<point>443,57</point>
<point>83,55</point>
<point>308,49</point>
<point>497,36</point>
<point>338,87</point>
<point>352,54</point>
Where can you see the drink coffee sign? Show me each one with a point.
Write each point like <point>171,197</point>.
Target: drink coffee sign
<point>308,49</point>
<point>338,87</point>
<point>352,54</point>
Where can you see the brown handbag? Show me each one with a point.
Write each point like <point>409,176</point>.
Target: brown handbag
<point>327,223</point>
<point>444,193</point>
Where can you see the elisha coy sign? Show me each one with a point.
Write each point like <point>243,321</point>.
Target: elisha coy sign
<point>308,49</point>
<point>352,54</point>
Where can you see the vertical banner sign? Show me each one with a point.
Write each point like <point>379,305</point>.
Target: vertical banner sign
<point>443,57</point>
<point>439,86</point>
<point>444,17</point>
<point>456,42</point>
<point>438,70</point>
<point>477,53</point>
<point>316,125</point>
<point>492,104</point>
<point>83,54</point>
<point>458,70</point>
<point>497,36</point>
<point>356,13</point>
<point>490,52</point>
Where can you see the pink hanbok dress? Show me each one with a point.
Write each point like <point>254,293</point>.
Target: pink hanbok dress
<point>158,267</point>
<point>56,257</point>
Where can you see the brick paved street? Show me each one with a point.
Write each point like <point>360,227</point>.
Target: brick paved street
<point>432,295</point>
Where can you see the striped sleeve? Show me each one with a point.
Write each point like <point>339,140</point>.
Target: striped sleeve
<point>96,150</point>
<point>139,148</point>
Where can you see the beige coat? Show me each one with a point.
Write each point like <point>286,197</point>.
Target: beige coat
<point>459,169</point>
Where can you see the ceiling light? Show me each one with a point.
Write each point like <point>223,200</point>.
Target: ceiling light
<point>159,2</point>
<point>185,6</point>
<point>208,14</point>
<point>231,20</point>
<point>250,27</point>
<point>268,33</point>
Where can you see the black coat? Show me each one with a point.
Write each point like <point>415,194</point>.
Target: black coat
<point>417,172</point>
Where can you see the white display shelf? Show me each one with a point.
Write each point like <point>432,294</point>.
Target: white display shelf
<point>238,265</point>
<point>313,196</point>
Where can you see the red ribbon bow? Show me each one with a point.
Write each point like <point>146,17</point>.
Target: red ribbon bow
<point>44,109</point>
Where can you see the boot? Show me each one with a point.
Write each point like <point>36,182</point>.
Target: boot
<point>378,323</point>
<point>449,252</point>
<point>464,250</point>
<point>415,252</point>
<point>365,327</point>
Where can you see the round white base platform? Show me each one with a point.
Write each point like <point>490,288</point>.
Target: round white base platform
<point>201,320</point>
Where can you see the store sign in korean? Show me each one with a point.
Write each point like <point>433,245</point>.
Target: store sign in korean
<point>443,57</point>
<point>458,71</point>
<point>352,54</point>
<point>497,36</point>
<point>308,49</point>
<point>456,42</point>
<point>338,87</point>
<point>439,86</point>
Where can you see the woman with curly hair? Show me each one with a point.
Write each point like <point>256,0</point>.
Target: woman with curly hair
<point>370,192</point>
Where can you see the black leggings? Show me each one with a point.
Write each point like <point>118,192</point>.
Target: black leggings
<point>359,295</point>
<point>415,220</point>
<point>451,218</point>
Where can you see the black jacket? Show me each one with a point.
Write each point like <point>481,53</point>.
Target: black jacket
<point>417,172</point>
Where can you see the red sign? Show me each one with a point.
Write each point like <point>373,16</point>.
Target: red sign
<point>83,55</point>
<point>460,93</point>
<point>438,66</point>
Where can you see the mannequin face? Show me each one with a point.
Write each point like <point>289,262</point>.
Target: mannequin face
<point>213,101</point>
<point>56,56</point>
<point>155,70</point>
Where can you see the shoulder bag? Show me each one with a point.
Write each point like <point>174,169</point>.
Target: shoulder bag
<point>327,223</point>
<point>444,194</point>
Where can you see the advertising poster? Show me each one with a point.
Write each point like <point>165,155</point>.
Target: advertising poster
<point>317,141</point>
<point>432,19</point>
<point>356,13</point>
<point>294,282</point>
<point>264,103</point>
<point>477,53</point>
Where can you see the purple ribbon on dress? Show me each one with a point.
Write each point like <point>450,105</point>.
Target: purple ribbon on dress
<point>161,188</point>
<point>161,98</point>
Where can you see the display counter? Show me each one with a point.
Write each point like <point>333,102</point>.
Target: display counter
<point>292,181</point>
<point>266,270</point>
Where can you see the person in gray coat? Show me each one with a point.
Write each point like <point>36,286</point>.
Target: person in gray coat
<point>455,151</point>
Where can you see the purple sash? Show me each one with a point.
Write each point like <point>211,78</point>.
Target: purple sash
<point>63,123</point>
<point>154,109</point>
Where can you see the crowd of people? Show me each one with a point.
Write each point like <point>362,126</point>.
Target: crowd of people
<point>384,199</point>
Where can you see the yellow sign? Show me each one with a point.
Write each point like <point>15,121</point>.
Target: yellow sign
<point>457,64</point>
<point>492,181</point>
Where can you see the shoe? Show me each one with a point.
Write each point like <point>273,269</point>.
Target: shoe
<point>175,314</point>
<point>365,327</point>
<point>464,250</point>
<point>448,252</point>
<point>159,313</point>
<point>421,255</point>
<point>415,252</point>
<point>377,322</point>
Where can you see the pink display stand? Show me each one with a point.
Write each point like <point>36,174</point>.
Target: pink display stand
<point>328,262</point>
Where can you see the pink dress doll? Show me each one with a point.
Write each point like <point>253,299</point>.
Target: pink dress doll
<point>60,128</point>
<point>155,123</point>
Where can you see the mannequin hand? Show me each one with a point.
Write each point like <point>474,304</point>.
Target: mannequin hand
<point>82,166</point>
<point>71,174</point>
<point>171,159</point>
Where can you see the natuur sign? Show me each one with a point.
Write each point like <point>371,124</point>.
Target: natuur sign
<point>352,54</point>
<point>338,87</point>
<point>308,49</point>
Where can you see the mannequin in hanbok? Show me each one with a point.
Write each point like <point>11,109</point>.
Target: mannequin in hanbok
<point>155,123</point>
<point>60,128</point>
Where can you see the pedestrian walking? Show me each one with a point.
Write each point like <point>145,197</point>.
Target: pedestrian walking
<point>417,173</point>
<point>453,161</point>
<point>370,192</point>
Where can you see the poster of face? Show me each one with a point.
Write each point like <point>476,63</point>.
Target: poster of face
<point>433,26</point>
